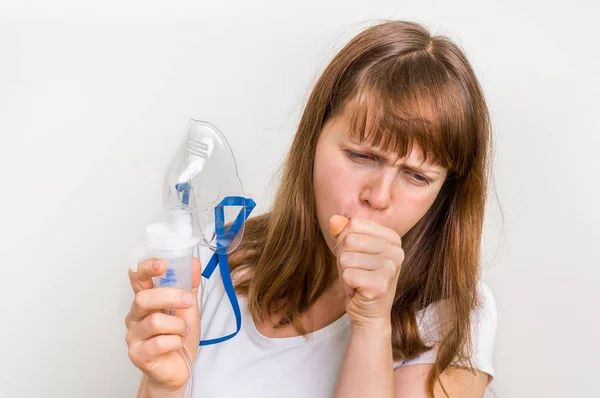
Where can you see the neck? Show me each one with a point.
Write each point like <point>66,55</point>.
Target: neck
<point>329,307</point>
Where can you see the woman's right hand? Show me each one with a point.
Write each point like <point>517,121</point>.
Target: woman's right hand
<point>154,337</point>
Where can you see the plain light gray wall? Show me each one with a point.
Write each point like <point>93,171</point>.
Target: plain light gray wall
<point>94,96</point>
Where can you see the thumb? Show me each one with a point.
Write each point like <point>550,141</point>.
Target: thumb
<point>192,315</point>
<point>337,224</point>
<point>196,275</point>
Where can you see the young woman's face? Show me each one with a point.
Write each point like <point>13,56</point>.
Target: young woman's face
<point>357,180</point>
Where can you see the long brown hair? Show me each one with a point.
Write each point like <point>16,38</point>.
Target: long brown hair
<point>410,87</point>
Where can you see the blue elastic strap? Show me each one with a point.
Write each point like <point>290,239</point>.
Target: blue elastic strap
<point>224,239</point>
<point>184,187</point>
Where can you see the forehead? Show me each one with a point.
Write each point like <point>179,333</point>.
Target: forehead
<point>343,126</point>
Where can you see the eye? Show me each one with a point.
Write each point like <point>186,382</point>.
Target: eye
<point>359,156</point>
<point>419,178</point>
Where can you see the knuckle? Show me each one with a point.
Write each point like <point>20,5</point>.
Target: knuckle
<point>140,266</point>
<point>128,320</point>
<point>182,325</point>
<point>401,255</point>
<point>156,322</point>
<point>397,238</point>
<point>139,299</point>
<point>166,342</point>
<point>344,259</point>
<point>134,355</point>
<point>160,342</point>
<point>346,274</point>
<point>382,285</point>
<point>351,240</point>
<point>391,247</point>
<point>137,273</point>
<point>390,266</point>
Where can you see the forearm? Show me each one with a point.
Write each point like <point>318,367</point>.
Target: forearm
<point>368,370</point>
<point>149,390</point>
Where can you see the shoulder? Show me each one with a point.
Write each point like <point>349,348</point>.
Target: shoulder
<point>485,317</point>
<point>483,332</point>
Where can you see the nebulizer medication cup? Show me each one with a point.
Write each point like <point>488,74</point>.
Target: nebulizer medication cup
<point>205,205</point>
<point>173,241</point>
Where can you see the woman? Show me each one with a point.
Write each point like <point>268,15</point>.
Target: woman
<point>363,280</point>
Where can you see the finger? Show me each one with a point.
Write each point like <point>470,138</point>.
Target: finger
<point>355,242</point>
<point>151,300</point>
<point>364,261</point>
<point>159,323</point>
<point>196,275</point>
<point>368,262</point>
<point>142,278</point>
<point>160,345</point>
<point>337,224</point>
<point>370,227</point>
<point>369,284</point>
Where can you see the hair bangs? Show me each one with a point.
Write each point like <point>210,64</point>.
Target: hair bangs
<point>399,104</point>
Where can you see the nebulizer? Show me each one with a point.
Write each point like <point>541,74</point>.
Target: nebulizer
<point>205,205</point>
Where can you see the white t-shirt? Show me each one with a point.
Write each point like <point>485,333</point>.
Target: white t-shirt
<point>252,365</point>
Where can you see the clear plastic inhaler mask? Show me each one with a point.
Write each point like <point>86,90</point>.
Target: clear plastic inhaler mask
<point>203,180</point>
<point>204,199</point>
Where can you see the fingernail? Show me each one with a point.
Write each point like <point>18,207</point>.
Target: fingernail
<point>187,299</point>
<point>156,265</point>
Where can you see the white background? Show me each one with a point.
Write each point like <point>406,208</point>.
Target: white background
<point>94,98</point>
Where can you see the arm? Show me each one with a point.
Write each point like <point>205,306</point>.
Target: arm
<point>411,378</point>
<point>368,370</point>
<point>148,390</point>
<point>369,257</point>
<point>368,265</point>
<point>411,381</point>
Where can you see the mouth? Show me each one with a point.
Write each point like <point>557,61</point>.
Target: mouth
<point>345,214</point>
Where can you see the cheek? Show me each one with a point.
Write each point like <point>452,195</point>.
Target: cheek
<point>332,185</point>
<point>411,207</point>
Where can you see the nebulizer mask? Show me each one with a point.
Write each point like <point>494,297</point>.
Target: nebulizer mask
<point>205,205</point>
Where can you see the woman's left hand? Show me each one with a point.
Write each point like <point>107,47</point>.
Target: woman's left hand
<point>369,258</point>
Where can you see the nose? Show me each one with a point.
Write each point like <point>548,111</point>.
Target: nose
<point>377,192</point>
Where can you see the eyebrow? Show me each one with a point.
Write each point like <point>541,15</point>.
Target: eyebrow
<point>375,153</point>
<point>421,170</point>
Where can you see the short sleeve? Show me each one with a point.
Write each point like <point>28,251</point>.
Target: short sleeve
<point>483,333</point>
